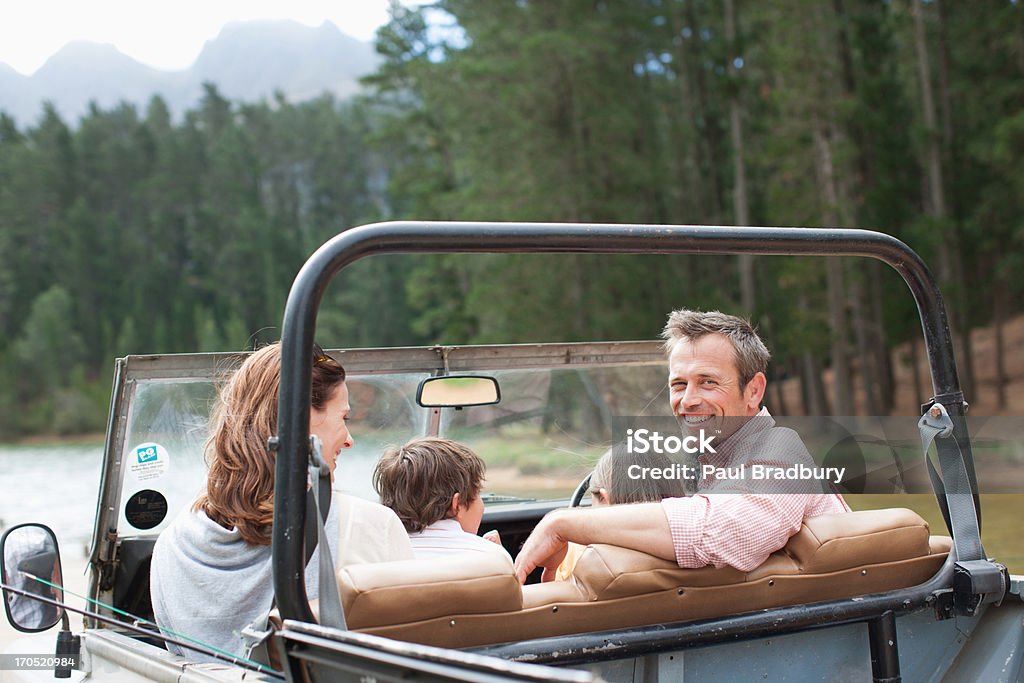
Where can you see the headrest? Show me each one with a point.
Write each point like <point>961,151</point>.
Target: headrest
<point>832,542</point>
<point>412,590</point>
<point>824,544</point>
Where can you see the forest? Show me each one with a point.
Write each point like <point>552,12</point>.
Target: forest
<point>128,231</point>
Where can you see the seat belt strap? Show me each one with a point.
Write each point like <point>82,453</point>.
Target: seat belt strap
<point>331,613</point>
<point>976,580</point>
<point>953,486</point>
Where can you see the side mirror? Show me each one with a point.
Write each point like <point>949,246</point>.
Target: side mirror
<point>30,553</point>
<point>458,391</point>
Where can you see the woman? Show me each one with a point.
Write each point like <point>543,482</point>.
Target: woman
<point>211,570</point>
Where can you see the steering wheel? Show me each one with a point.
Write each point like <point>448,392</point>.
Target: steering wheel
<point>581,490</point>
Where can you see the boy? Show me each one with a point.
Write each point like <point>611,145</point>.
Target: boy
<point>433,485</point>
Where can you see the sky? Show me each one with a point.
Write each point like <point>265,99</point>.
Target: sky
<point>162,34</point>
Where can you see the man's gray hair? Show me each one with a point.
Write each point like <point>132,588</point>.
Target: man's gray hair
<point>751,354</point>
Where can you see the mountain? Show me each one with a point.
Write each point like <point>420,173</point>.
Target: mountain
<point>247,61</point>
<point>12,82</point>
<point>247,56</point>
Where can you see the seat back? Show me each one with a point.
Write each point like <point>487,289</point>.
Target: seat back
<point>412,590</point>
<point>468,601</point>
<point>828,543</point>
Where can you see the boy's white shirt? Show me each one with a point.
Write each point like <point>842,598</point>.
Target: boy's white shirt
<point>444,537</point>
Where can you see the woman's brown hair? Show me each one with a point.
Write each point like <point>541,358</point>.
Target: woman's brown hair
<point>240,482</point>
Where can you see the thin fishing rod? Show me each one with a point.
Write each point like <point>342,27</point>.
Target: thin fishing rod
<point>245,663</point>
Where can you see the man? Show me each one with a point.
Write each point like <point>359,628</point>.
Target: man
<point>716,384</point>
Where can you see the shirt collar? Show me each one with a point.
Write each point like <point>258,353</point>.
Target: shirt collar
<point>447,524</point>
<point>724,450</point>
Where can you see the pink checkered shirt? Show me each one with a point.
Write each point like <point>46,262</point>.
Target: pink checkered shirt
<point>740,524</point>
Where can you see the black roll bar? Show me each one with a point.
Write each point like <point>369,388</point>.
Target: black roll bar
<point>464,237</point>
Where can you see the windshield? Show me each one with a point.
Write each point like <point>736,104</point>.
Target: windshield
<point>552,424</point>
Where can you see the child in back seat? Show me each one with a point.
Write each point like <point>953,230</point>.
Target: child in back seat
<point>612,483</point>
<point>433,485</point>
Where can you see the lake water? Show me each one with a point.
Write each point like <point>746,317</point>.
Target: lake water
<point>53,484</point>
<point>58,485</point>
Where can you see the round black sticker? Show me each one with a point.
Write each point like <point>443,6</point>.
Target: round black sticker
<point>145,509</point>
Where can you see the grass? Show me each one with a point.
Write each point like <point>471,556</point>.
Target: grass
<point>1000,527</point>
<point>521,446</point>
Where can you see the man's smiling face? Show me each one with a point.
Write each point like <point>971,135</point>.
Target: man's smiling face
<point>704,386</point>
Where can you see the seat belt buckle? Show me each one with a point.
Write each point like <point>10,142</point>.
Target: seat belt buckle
<point>977,583</point>
<point>257,639</point>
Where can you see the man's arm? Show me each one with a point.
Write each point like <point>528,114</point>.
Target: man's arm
<point>738,530</point>
<point>642,527</point>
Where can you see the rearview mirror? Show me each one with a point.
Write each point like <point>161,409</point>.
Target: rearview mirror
<point>458,391</point>
<point>30,558</point>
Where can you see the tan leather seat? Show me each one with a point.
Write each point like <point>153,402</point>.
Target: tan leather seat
<point>414,590</point>
<point>468,601</point>
<point>367,533</point>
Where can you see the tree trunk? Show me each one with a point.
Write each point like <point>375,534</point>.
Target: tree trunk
<point>779,407</point>
<point>775,378</point>
<point>813,389</point>
<point>933,157</point>
<point>855,179</point>
<point>841,390</point>
<point>945,92</point>
<point>577,296</point>
<point>961,322</point>
<point>687,96</point>
<point>875,361</point>
<point>868,375</point>
<point>710,132</point>
<point>951,156</point>
<point>916,396</point>
<point>879,343</point>
<point>999,313</point>
<point>579,165</point>
<point>1018,37</point>
<point>823,132</point>
<point>950,262</point>
<point>740,203</point>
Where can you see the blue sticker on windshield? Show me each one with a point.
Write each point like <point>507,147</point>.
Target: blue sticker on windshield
<point>146,453</point>
<point>148,461</point>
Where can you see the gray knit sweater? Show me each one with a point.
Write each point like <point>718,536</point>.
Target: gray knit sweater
<point>208,584</point>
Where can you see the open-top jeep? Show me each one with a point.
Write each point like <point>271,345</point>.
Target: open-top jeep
<point>871,593</point>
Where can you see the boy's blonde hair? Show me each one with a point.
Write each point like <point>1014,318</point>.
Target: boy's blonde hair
<point>418,480</point>
<point>611,474</point>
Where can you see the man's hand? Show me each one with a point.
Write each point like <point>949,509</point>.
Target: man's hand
<point>493,536</point>
<point>545,548</point>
